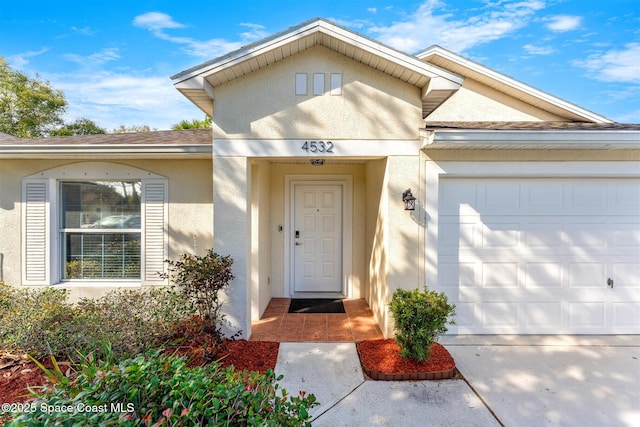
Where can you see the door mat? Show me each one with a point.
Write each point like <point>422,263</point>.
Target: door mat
<point>315,305</point>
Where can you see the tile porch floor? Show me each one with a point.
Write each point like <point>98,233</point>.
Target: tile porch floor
<point>357,324</point>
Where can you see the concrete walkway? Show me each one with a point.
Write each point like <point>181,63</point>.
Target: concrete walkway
<point>511,381</point>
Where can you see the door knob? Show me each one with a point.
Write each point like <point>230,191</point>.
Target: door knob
<point>298,243</point>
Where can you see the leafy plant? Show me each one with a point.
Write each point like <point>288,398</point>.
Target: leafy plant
<point>41,321</point>
<point>201,279</point>
<point>155,389</point>
<point>420,318</point>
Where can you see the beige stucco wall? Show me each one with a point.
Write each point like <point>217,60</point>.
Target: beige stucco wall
<point>190,211</point>
<point>477,102</point>
<point>373,105</point>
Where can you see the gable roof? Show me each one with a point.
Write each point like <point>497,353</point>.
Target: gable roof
<point>198,83</point>
<point>465,67</point>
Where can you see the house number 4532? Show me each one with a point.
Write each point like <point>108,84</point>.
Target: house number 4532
<point>318,146</point>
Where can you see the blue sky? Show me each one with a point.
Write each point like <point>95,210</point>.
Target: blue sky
<point>112,59</point>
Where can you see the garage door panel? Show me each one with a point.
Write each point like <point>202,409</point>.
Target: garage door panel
<point>500,234</point>
<point>543,275</point>
<point>626,274</point>
<point>626,315</point>
<point>587,274</point>
<point>534,255</point>
<point>539,315</point>
<point>500,275</point>
<point>586,315</point>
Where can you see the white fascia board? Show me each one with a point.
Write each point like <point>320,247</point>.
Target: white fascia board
<point>294,148</point>
<point>529,139</point>
<point>197,83</point>
<point>586,114</point>
<point>242,54</point>
<point>103,150</point>
<point>376,48</point>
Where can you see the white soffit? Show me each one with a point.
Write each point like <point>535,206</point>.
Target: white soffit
<point>536,140</point>
<point>448,60</point>
<point>197,83</point>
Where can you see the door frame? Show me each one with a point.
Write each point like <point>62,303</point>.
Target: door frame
<point>346,182</point>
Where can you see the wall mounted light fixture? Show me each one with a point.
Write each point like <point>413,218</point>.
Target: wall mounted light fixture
<point>409,200</point>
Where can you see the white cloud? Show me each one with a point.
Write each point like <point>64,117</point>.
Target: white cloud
<point>157,23</point>
<point>112,99</point>
<point>538,50</point>
<point>426,26</point>
<point>20,60</point>
<point>562,23</point>
<point>372,10</point>
<point>614,65</point>
<point>85,31</point>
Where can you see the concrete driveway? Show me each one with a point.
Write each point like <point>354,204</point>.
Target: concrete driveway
<point>553,380</point>
<point>509,380</point>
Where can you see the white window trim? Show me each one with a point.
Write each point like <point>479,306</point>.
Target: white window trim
<point>45,253</point>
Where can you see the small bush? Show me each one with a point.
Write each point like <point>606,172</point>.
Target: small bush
<point>41,320</point>
<point>420,318</point>
<point>201,279</point>
<point>154,389</point>
<point>30,316</point>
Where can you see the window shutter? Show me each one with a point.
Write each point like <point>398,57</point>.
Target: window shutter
<point>155,230</point>
<point>36,237</point>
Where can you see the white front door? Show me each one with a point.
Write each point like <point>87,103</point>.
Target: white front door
<point>317,238</point>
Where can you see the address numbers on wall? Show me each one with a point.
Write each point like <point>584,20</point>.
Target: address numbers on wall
<point>318,146</point>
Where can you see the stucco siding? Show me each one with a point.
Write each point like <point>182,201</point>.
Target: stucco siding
<point>477,102</point>
<point>264,105</point>
<point>190,212</point>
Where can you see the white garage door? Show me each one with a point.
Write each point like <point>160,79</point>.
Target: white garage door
<point>541,256</point>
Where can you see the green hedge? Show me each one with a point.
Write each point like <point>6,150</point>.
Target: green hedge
<point>40,321</point>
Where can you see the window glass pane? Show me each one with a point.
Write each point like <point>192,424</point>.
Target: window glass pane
<point>102,255</point>
<point>101,204</point>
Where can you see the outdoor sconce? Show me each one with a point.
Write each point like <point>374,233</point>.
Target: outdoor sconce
<point>409,200</point>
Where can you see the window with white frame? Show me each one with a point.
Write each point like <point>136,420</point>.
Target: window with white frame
<point>94,221</point>
<point>100,229</point>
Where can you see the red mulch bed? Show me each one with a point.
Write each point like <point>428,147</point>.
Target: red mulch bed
<point>15,379</point>
<point>242,354</point>
<point>381,360</point>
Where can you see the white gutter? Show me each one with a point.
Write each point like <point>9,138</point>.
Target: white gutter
<point>523,139</point>
<point>30,150</point>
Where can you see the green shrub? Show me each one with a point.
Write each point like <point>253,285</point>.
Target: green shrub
<point>154,389</point>
<point>201,279</point>
<point>420,318</point>
<point>41,320</point>
<point>31,316</point>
